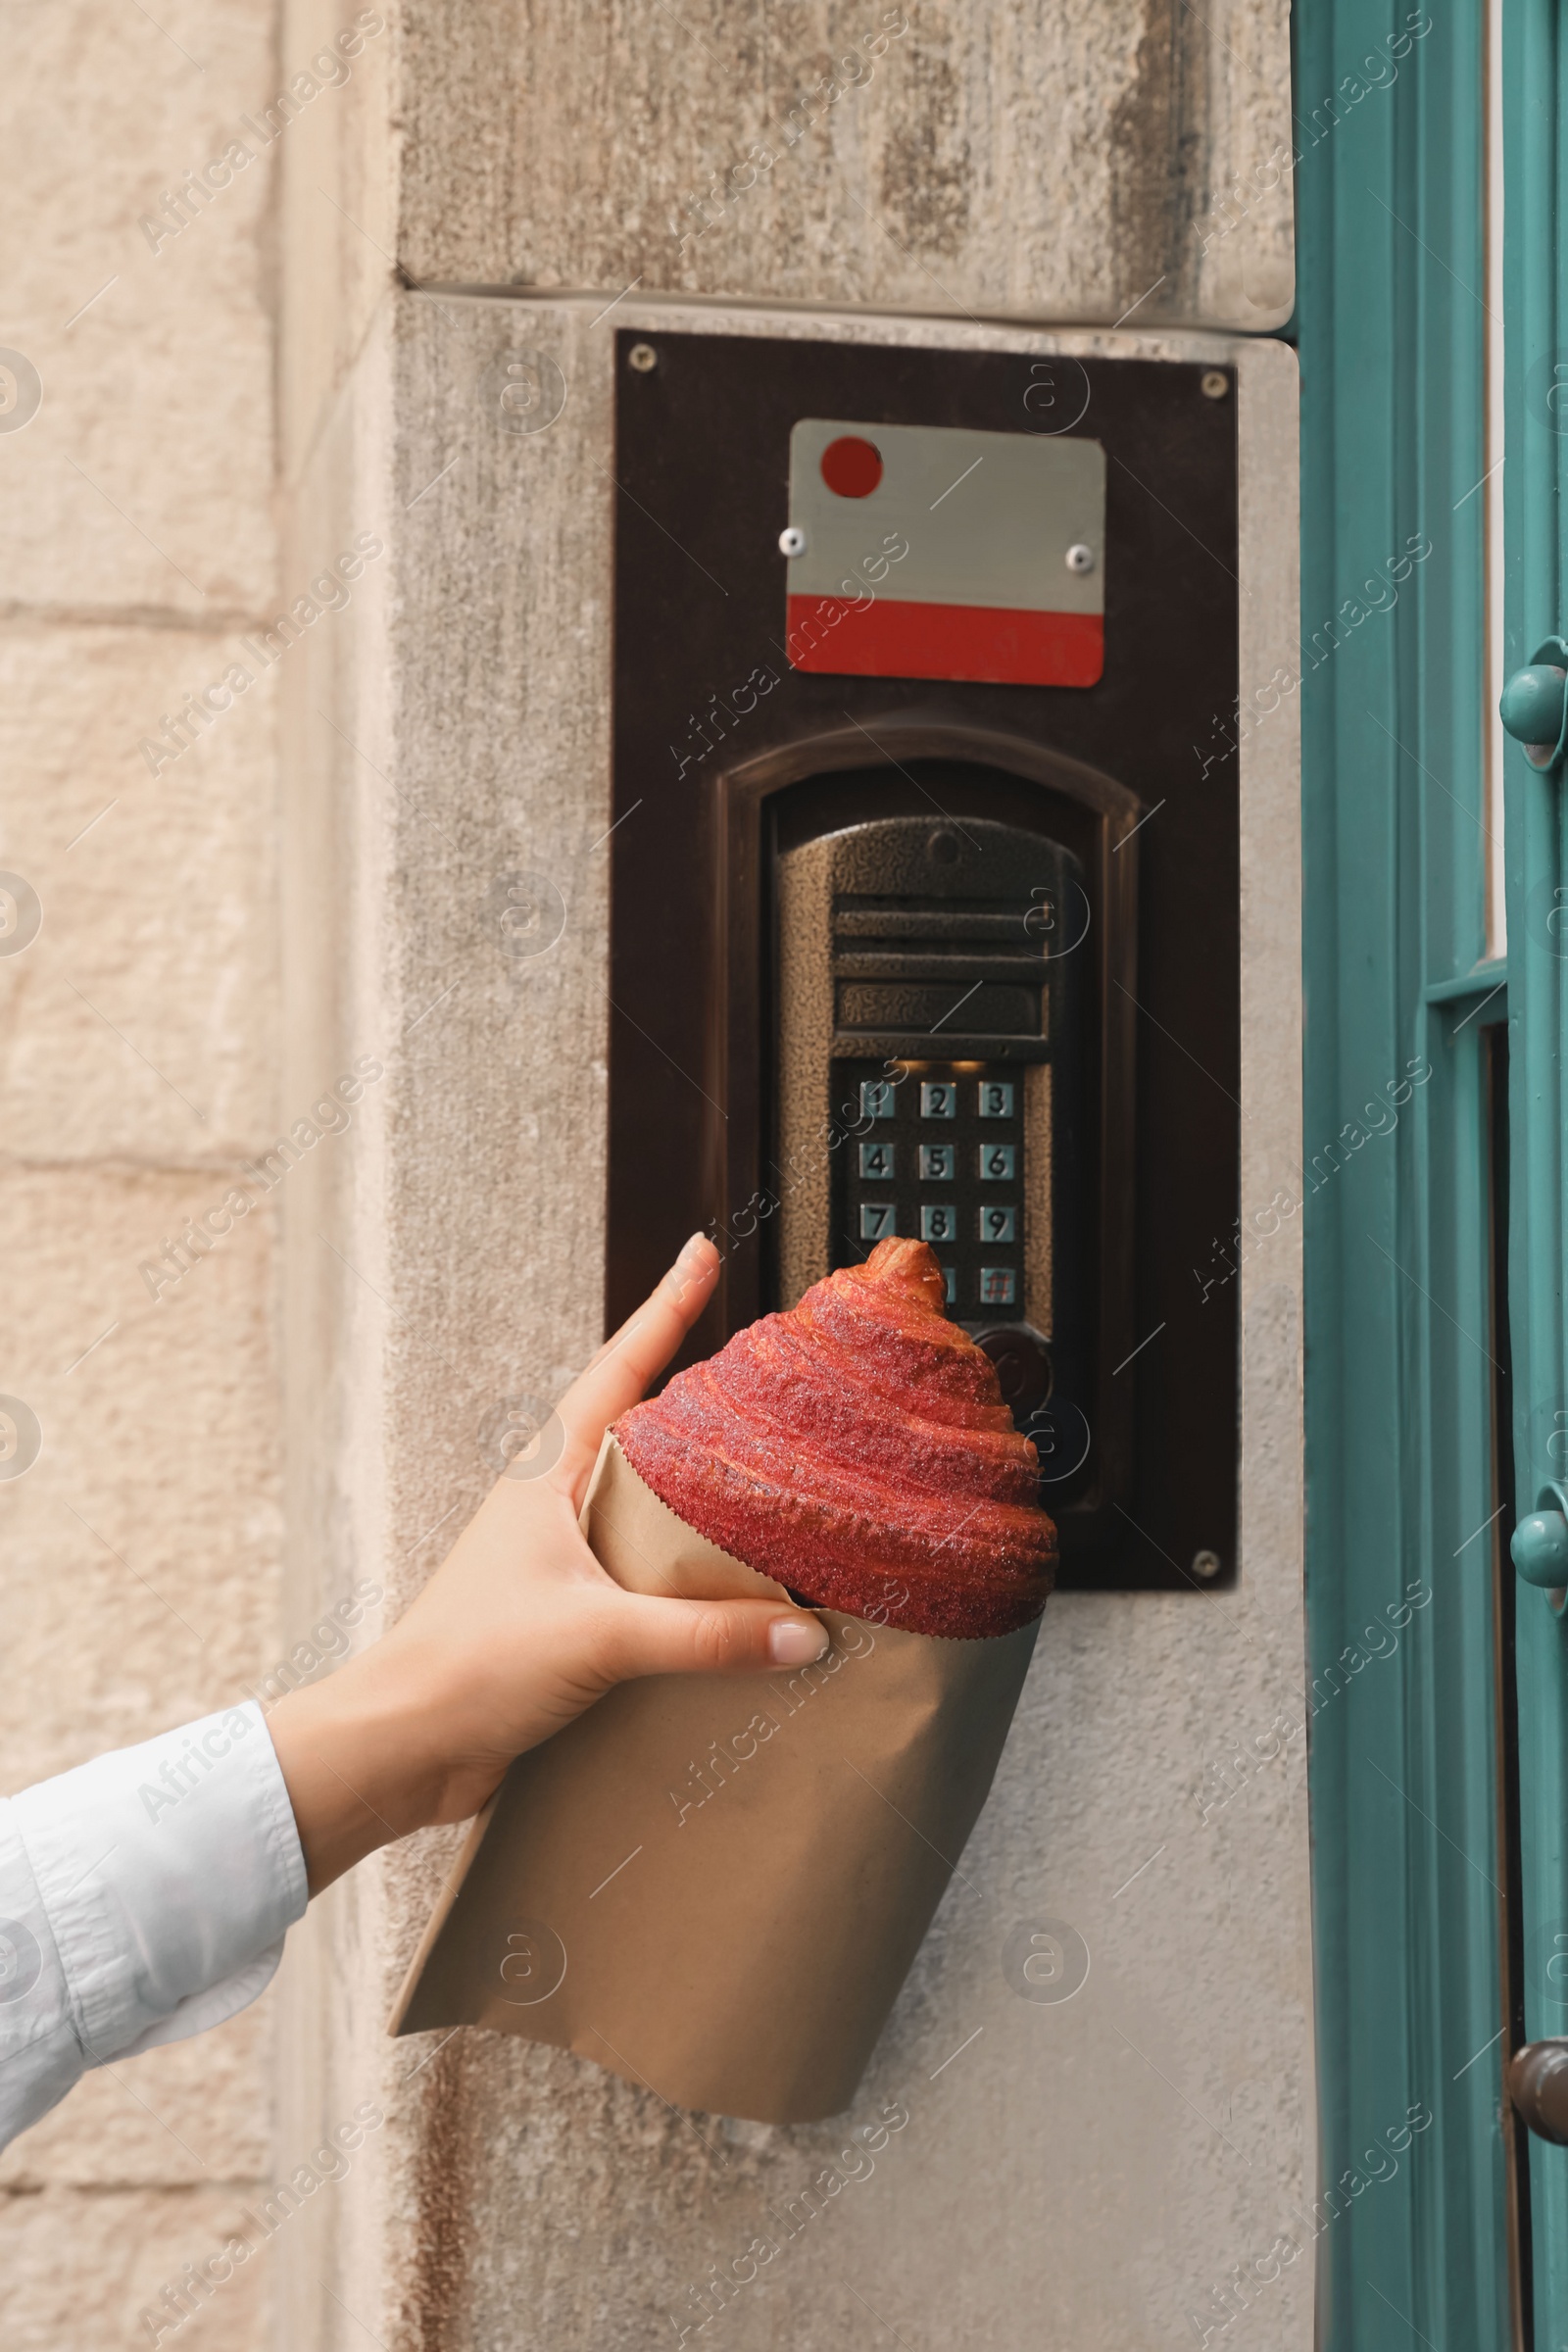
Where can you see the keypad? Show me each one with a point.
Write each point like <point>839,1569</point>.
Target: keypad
<point>937,1151</point>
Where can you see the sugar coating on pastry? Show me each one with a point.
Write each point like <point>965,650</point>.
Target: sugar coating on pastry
<point>857,1450</point>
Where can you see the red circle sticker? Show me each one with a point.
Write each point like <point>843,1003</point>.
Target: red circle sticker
<point>851,468</point>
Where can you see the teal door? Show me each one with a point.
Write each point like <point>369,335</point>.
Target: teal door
<point>1436,1396</point>
<point>1536,411</point>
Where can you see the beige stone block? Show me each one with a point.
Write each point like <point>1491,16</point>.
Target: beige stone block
<point>142,1544</point>
<point>339,172</point>
<point>1029,161</point>
<point>144,480</point>
<point>141,1021</point>
<point>82,2268</point>
<point>193,2114</point>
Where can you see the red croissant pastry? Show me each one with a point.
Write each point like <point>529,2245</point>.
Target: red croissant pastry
<point>857,1450</point>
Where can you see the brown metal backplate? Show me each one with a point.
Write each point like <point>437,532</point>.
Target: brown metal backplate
<point>710,720</point>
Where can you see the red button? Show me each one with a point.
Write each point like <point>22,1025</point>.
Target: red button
<point>851,468</point>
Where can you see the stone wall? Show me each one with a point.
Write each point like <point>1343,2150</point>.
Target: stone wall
<point>468,741</point>
<point>139,1067</point>
<point>1032,161</point>
<point>538,193</point>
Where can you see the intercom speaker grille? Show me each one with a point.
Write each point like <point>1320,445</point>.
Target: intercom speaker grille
<point>908,968</point>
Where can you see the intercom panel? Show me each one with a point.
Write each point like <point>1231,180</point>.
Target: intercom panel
<point>924,877</point>
<point>927,1075</point>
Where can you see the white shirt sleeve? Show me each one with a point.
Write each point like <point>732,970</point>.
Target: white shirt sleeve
<point>143,1897</point>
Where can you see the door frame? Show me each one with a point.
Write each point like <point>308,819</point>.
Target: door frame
<point>1534,151</point>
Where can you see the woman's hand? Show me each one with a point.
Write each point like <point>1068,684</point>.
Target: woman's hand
<point>519,1631</point>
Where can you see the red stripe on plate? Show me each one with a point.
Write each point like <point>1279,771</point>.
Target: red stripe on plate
<point>978,643</point>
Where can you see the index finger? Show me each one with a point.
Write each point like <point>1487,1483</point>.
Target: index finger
<point>645,1343</point>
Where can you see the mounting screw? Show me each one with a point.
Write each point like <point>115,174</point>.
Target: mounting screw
<point>642,357</point>
<point>1216,383</point>
<point>1080,557</point>
<point>1206,1564</point>
<point>792,541</point>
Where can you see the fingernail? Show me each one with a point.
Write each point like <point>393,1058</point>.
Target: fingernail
<point>796,1640</point>
<point>689,1263</point>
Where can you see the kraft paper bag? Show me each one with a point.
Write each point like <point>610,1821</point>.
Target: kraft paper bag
<point>714,1885</point>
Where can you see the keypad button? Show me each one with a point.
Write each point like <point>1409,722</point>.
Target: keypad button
<point>942,1154</point>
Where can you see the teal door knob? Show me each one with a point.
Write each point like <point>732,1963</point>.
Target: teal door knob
<point>1540,1546</point>
<point>1533,709</point>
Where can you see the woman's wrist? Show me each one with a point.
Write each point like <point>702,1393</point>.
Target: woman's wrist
<point>360,1758</point>
<point>518,1632</point>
